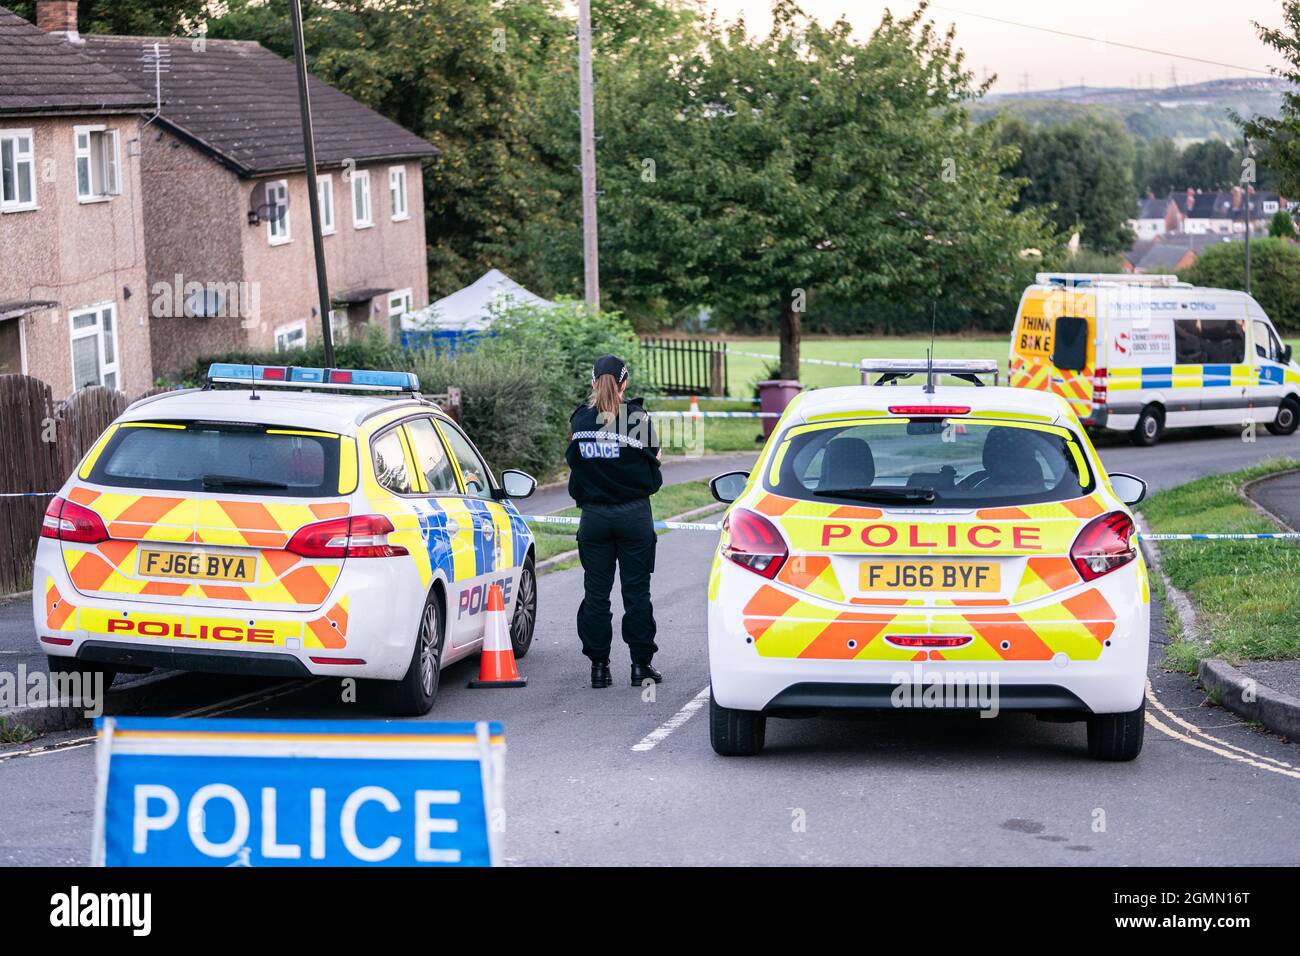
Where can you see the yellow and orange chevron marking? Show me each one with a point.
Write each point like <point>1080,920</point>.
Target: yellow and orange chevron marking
<point>783,626</point>
<point>775,506</point>
<point>60,615</point>
<point>1074,387</point>
<point>330,631</point>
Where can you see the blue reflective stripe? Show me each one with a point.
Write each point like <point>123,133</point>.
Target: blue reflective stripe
<point>1216,375</point>
<point>484,546</point>
<point>433,525</point>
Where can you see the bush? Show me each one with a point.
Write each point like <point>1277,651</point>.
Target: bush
<point>500,406</point>
<point>561,344</point>
<point>1274,276</point>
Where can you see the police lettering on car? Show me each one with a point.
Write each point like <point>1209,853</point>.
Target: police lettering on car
<point>613,458</point>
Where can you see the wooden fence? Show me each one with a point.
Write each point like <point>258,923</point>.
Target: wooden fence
<point>41,441</point>
<point>685,366</point>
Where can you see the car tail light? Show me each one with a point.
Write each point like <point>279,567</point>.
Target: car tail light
<point>928,640</point>
<point>1104,544</point>
<point>754,543</point>
<point>1099,387</point>
<point>68,521</point>
<point>363,536</point>
<point>929,411</point>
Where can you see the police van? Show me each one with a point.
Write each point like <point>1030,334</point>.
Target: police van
<point>1141,353</point>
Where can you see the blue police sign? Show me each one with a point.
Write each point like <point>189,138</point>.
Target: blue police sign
<point>181,792</point>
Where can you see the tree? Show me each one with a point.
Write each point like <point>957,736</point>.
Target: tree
<point>1081,172</point>
<point>1274,276</point>
<point>1281,134</point>
<point>756,173</point>
<point>1281,226</point>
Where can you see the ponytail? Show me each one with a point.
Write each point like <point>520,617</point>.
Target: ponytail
<point>605,397</point>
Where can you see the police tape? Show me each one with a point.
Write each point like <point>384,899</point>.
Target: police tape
<point>661,525</point>
<point>704,398</point>
<point>802,361</point>
<point>707,526</point>
<point>693,414</point>
<point>1269,536</point>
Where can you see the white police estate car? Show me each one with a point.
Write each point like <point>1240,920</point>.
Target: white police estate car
<point>273,529</point>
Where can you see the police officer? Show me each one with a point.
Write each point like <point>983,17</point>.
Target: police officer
<point>613,458</point>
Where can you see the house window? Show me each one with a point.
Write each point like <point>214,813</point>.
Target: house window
<point>17,170</point>
<point>277,222</point>
<point>361,199</point>
<point>94,346</point>
<point>397,191</point>
<point>325,202</point>
<point>291,336</point>
<point>399,302</point>
<point>97,163</point>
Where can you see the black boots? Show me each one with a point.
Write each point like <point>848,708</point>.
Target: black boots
<point>643,672</point>
<point>600,675</point>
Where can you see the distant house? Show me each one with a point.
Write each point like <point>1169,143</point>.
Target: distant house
<point>1224,212</point>
<point>1156,217</point>
<point>1171,253</point>
<point>74,300</point>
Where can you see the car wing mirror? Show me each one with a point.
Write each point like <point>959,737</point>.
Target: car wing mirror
<point>1130,489</point>
<point>729,486</point>
<point>517,484</point>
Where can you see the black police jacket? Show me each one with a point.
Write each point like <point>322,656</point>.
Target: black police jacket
<point>614,462</point>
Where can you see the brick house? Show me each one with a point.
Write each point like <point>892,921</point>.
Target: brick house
<point>73,290</point>
<point>225,222</point>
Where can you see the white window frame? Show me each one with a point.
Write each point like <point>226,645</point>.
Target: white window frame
<point>28,159</point>
<point>274,225</point>
<point>361,179</point>
<point>405,303</point>
<point>97,332</point>
<point>108,171</point>
<point>291,328</point>
<point>397,190</point>
<point>325,202</point>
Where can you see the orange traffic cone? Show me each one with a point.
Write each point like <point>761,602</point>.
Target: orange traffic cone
<point>496,663</point>
<point>695,407</point>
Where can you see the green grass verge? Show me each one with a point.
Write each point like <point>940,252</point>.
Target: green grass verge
<point>671,500</point>
<point>1246,592</point>
<point>12,732</point>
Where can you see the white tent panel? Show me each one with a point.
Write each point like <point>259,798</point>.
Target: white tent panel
<point>475,307</point>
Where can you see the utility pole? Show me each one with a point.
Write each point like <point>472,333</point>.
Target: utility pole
<point>587,120</point>
<point>1247,174</point>
<point>309,154</point>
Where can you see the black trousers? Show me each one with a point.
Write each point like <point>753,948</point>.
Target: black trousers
<point>623,535</point>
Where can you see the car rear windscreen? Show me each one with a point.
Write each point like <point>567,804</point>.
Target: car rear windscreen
<point>946,463</point>
<point>221,458</point>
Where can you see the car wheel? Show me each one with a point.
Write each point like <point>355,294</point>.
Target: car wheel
<point>71,667</point>
<point>1150,425</point>
<point>525,617</point>
<point>735,733</point>
<point>413,695</point>
<point>1116,736</point>
<point>1288,417</point>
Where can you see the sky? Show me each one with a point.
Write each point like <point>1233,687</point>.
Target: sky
<point>1219,30</point>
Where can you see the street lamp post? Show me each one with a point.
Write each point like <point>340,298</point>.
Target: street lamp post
<point>587,121</point>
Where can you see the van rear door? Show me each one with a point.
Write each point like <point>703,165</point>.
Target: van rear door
<point>1053,346</point>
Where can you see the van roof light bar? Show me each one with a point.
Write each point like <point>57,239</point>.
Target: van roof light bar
<point>288,376</point>
<point>1153,280</point>
<point>891,370</point>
